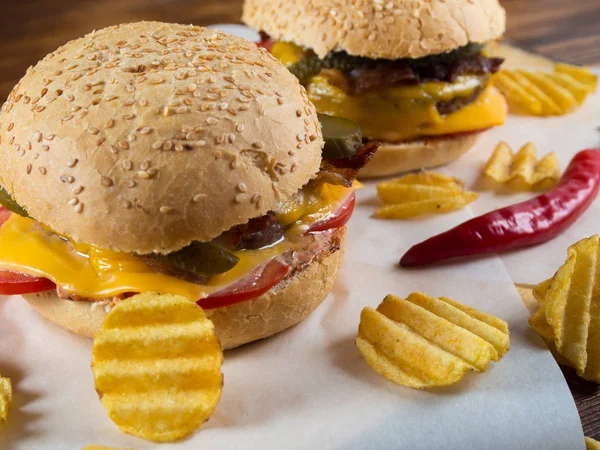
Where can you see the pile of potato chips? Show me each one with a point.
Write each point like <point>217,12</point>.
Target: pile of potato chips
<point>546,93</point>
<point>422,341</point>
<point>420,193</point>
<point>5,398</point>
<point>523,167</point>
<point>591,444</point>
<point>157,366</point>
<point>569,314</point>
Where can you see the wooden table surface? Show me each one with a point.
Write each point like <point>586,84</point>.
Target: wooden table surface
<point>567,30</point>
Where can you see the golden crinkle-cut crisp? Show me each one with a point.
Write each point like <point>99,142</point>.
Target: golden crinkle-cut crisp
<point>569,313</point>
<point>420,193</point>
<point>546,93</point>
<point>423,342</point>
<point>504,166</point>
<point>157,366</point>
<point>5,398</point>
<point>591,444</point>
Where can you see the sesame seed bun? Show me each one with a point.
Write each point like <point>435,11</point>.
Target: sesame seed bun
<point>378,28</point>
<point>392,159</point>
<point>147,136</point>
<point>286,304</point>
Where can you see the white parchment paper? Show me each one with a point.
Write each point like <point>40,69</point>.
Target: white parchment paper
<point>309,388</point>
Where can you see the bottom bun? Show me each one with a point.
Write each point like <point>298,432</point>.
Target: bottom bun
<point>392,159</point>
<point>286,304</point>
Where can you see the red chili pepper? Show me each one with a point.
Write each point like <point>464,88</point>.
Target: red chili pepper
<point>531,222</point>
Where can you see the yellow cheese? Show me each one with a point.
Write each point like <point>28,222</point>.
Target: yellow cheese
<point>408,112</point>
<point>286,52</point>
<point>27,247</point>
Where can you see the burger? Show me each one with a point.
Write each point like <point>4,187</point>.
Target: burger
<point>413,73</point>
<point>154,157</point>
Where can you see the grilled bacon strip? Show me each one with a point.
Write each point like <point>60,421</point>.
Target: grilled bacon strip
<point>344,171</point>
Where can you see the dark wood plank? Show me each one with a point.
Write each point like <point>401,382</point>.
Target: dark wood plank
<point>29,29</point>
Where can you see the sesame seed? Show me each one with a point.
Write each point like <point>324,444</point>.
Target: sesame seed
<point>78,207</point>
<point>93,130</point>
<point>157,145</point>
<point>37,137</point>
<point>28,168</point>
<point>106,181</point>
<point>49,137</point>
<point>45,147</point>
<point>168,145</point>
<point>77,190</point>
<point>72,162</point>
<point>42,170</point>
<point>124,144</point>
<point>179,147</point>
<point>165,209</point>
<point>127,164</point>
<point>100,141</point>
<point>211,121</point>
<point>198,197</point>
<point>73,201</point>
<point>129,116</point>
<point>145,165</point>
<point>126,204</point>
<point>130,183</point>
<point>258,144</point>
<point>242,187</point>
<point>239,198</point>
<point>146,130</point>
<point>143,174</point>
<point>109,123</point>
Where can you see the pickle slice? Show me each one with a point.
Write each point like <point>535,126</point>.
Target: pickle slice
<point>194,263</point>
<point>342,137</point>
<point>7,201</point>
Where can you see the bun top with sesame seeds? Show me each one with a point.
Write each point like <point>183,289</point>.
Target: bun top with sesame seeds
<point>390,29</point>
<point>147,136</point>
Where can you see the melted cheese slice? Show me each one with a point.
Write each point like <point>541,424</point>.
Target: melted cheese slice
<point>87,271</point>
<point>408,112</point>
<point>402,113</point>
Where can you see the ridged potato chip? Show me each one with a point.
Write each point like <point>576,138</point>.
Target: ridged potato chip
<point>546,93</point>
<point>523,167</point>
<point>420,193</point>
<point>569,313</point>
<point>157,366</point>
<point>591,444</point>
<point>5,398</point>
<point>422,341</point>
<point>581,74</point>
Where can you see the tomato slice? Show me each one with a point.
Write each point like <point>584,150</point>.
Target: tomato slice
<point>248,288</point>
<point>337,219</point>
<point>14,283</point>
<point>267,44</point>
<point>4,215</point>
